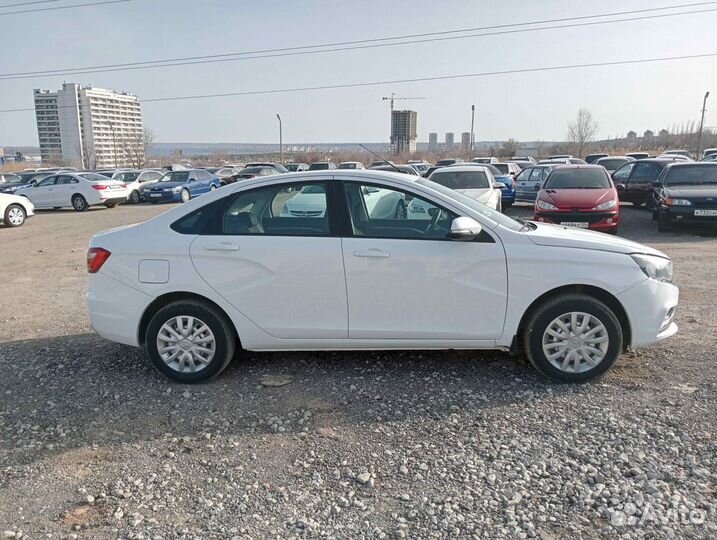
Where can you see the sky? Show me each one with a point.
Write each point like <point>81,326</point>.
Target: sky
<point>523,106</point>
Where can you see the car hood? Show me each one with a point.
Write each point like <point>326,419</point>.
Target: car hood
<point>571,237</point>
<point>11,188</point>
<point>688,192</point>
<point>576,198</point>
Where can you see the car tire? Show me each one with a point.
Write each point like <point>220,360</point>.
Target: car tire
<point>15,216</point>
<point>192,362</point>
<point>635,203</point>
<point>551,319</point>
<point>134,197</point>
<point>79,203</point>
<point>212,188</point>
<point>663,223</point>
<point>184,195</point>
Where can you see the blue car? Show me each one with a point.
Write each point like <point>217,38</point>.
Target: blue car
<point>22,180</point>
<point>180,186</point>
<point>507,190</point>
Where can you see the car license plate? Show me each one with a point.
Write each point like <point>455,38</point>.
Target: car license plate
<point>706,212</point>
<point>155,194</point>
<point>578,224</point>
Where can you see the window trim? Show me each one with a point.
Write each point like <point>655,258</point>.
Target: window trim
<point>347,225</point>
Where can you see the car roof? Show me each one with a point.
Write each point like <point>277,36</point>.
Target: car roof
<point>463,167</point>
<point>679,164</point>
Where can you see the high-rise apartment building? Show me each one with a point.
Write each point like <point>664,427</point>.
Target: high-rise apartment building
<point>433,142</point>
<point>89,127</point>
<point>450,137</point>
<point>403,131</point>
<point>465,141</point>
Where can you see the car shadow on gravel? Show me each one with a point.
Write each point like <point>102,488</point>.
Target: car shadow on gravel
<point>67,392</point>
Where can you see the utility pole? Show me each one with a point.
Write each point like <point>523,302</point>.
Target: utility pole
<point>473,117</point>
<point>702,123</point>
<point>281,141</point>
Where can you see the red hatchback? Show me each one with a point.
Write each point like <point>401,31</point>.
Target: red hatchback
<point>579,196</point>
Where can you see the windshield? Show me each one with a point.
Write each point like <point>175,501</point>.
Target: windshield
<point>577,179</point>
<point>612,164</point>
<point>474,205</point>
<point>693,174</point>
<point>126,176</point>
<point>292,167</point>
<point>461,179</point>
<point>93,177</point>
<point>175,176</point>
<point>17,180</point>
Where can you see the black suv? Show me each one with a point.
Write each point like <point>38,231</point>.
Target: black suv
<point>686,193</point>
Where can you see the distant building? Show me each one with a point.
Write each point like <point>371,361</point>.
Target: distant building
<point>631,136</point>
<point>648,135</point>
<point>466,141</point>
<point>449,140</point>
<point>403,131</point>
<point>664,134</point>
<point>433,142</point>
<point>88,127</point>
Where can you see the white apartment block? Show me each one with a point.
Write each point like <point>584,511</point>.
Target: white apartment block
<point>89,127</point>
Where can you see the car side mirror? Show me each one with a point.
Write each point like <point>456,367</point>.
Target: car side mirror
<point>537,186</point>
<point>620,187</point>
<point>464,229</point>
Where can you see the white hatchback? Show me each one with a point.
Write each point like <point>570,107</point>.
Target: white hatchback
<point>474,181</point>
<point>75,190</point>
<point>238,269</point>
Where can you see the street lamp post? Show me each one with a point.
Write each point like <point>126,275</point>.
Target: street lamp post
<point>281,141</point>
<point>702,123</point>
<point>473,117</point>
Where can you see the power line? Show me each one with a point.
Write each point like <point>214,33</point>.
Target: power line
<point>55,8</point>
<point>402,81</point>
<point>4,6</point>
<point>357,44</point>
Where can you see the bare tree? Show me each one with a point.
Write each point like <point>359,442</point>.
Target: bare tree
<point>582,131</point>
<point>136,149</point>
<point>508,149</point>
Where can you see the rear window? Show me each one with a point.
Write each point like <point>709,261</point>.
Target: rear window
<point>577,179</point>
<point>318,166</point>
<point>461,179</point>
<point>502,167</point>
<point>612,164</point>
<point>126,176</point>
<point>253,170</point>
<point>93,177</point>
<point>695,174</point>
<point>347,165</point>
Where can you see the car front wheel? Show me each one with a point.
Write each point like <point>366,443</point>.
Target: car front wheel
<point>134,197</point>
<point>15,215</point>
<point>190,341</point>
<point>573,338</point>
<point>184,195</point>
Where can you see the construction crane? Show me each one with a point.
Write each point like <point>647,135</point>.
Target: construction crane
<point>393,97</point>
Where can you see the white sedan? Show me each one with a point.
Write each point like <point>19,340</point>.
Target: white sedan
<point>14,210</point>
<point>231,271</point>
<point>75,190</point>
<point>474,181</point>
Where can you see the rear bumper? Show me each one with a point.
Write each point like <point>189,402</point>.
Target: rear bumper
<point>115,309</point>
<point>651,307</point>
<point>597,221</point>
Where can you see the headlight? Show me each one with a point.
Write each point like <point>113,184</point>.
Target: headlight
<point>607,205</point>
<point>654,267</point>
<point>177,189</point>
<point>546,205</point>
<point>677,202</point>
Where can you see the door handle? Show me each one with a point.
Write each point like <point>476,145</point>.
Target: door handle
<point>222,246</point>
<point>373,253</point>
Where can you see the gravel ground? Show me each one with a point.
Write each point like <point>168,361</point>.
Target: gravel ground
<point>95,444</point>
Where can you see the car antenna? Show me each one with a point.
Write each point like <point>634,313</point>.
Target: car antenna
<point>381,158</point>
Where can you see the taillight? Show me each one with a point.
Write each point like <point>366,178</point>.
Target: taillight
<point>96,257</point>
<point>98,187</point>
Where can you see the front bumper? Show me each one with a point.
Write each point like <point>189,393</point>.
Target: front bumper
<point>686,214</point>
<point>651,307</point>
<point>161,196</point>
<point>596,221</point>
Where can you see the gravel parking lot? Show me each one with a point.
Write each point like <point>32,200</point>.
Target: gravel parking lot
<point>96,444</point>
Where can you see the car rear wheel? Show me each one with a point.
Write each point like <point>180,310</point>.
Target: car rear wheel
<point>184,195</point>
<point>79,203</point>
<point>15,216</point>
<point>573,338</point>
<point>190,341</point>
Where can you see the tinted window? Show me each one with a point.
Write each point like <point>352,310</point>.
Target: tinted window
<point>295,210</point>
<point>318,167</point>
<point>93,177</point>
<point>176,176</point>
<point>647,171</point>
<point>698,174</point>
<point>379,212</point>
<point>49,181</point>
<point>461,179</point>
<point>623,173</point>
<point>612,164</point>
<point>503,167</point>
<point>577,179</point>
<point>524,175</point>
<point>347,165</point>
<point>126,176</point>
<point>61,180</point>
